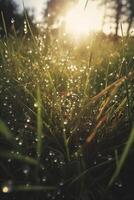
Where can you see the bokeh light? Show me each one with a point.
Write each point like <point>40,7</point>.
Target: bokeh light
<point>81,20</point>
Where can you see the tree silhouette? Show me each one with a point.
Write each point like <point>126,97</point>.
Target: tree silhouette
<point>116,10</point>
<point>120,10</point>
<point>130,15</point>
<point>118,14</point>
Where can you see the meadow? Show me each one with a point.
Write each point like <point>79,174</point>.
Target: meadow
<point>66,117</point>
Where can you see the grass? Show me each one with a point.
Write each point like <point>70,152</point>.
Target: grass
<point>123,157</point>
<point>66,113</point>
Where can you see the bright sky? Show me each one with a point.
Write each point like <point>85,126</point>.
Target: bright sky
<point>38,5</point>
<point>77,20</point>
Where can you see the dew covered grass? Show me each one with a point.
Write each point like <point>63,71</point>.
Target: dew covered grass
<point>66,115</point>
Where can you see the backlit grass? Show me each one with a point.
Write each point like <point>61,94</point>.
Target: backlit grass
<point>66,113</point>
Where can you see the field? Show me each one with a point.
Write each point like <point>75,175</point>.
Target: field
<point>66,117</point>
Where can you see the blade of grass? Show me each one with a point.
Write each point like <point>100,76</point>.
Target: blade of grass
<point>86,4</point>
<point>93,134</point>
<point>39,123</point>
<point>4,24</point>
<point>66,145</point>
<point>122,158</point>
<point>19,157</point>
<point>33,188</point>
<point>123,102</point>
<point>88,73</point>
<point>28,24</point>
<point>89,170</point>
<point>5,131</point>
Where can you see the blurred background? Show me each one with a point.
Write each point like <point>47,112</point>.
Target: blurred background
<point>86,16</point>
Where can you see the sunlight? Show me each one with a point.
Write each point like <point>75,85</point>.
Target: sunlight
<point>80,21</point>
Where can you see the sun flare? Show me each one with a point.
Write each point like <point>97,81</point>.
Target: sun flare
<point>80,21</point>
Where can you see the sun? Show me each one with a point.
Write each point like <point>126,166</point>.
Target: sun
<point>80,21</point>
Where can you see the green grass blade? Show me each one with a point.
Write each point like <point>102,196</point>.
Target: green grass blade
<point>28,24</point>
<point>33,188</point>
<point>39,124</point>
<point>4,23</point>
<point>5,131</point>
<point>66,145</point>
<point>123,157</point>
<point>19,157</point>
<point>89,170</point>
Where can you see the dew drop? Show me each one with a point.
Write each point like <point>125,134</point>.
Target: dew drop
<point>5,189</point>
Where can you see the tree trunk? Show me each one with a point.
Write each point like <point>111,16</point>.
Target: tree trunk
<point>118,15</point>
<point>130,21</point>
<point>117,28</point>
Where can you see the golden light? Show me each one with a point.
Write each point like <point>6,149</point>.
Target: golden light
<point>80,21</point>
<point>5,189</point>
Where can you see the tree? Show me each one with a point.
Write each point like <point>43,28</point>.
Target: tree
<point>130,15</point>
<point>116,8</point>
<point>118,14</point>
<point>122,9</point>
<point>114,11</point>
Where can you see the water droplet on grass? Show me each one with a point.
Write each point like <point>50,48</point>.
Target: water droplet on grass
<point>5,189</point>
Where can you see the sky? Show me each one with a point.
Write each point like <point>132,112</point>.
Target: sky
<point>38,5</point>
